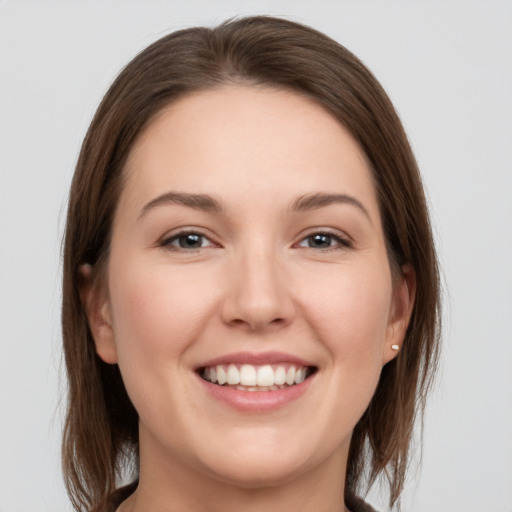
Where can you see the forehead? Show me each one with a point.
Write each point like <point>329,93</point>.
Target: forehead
<point>247,140</point>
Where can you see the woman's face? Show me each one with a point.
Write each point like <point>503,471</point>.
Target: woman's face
<point>247,244</point>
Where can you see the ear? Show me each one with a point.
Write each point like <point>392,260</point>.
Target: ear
<point>97,309</point>
<point>404,294</point>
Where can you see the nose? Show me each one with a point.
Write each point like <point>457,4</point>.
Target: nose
<point>259,296</point>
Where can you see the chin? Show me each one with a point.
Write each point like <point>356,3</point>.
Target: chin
<point>258,465</point>
<point>257,475</point>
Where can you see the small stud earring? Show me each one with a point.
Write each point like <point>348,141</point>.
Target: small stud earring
<point>395,347</point>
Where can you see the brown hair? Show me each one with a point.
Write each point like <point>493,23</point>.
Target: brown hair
<point>101,429</point>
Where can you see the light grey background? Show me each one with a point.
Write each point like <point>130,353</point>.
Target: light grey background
<point>447,65</point>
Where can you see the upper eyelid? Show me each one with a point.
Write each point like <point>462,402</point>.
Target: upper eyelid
<point>186,231</point>
<point>341,241</point>
<point>336,233</point>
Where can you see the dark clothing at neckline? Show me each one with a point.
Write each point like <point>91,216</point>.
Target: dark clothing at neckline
<point>354,503</point>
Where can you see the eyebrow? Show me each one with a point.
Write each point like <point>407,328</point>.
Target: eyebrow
<point>207,203</point>
<point>202,202</point>
<point>320,200</point>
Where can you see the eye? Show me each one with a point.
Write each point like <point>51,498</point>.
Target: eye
<point>188,240</point>
<point>324,241</point>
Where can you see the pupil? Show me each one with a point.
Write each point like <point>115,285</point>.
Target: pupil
<point>190,241</point>
<point>320,241</point>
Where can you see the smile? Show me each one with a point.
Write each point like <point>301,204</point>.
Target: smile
<point>248,377</point>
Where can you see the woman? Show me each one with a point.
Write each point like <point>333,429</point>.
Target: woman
<point>251,300</point>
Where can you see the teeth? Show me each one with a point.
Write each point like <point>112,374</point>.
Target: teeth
<point>300,375</point>
<point>255,378</point>
<point>265,376</point>
<point>279,376</point>
<point>260,388</point>
<point>248,376</point>
<point>233,375</point>
<point>221,375</point>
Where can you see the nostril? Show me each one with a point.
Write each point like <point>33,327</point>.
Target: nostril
<point>254,324</point>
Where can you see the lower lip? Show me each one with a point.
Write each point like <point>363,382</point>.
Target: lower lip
<point>256,401</point>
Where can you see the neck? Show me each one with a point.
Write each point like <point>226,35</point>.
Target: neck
<point>167,486</point>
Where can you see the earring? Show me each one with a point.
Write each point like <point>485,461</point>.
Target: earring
<point>395,347</point>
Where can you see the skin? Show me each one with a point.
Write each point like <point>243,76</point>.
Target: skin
<point>258,283</point>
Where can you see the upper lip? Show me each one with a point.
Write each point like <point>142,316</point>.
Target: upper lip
<point>256,359</point>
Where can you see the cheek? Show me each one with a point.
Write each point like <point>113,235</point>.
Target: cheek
<point>350,312</point>
<point>156,312</point>
<point>348,316</point>
<point>157,315</point>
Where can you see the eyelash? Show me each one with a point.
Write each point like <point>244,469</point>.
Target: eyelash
<point>340,242</point>
<point>170,242</point>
